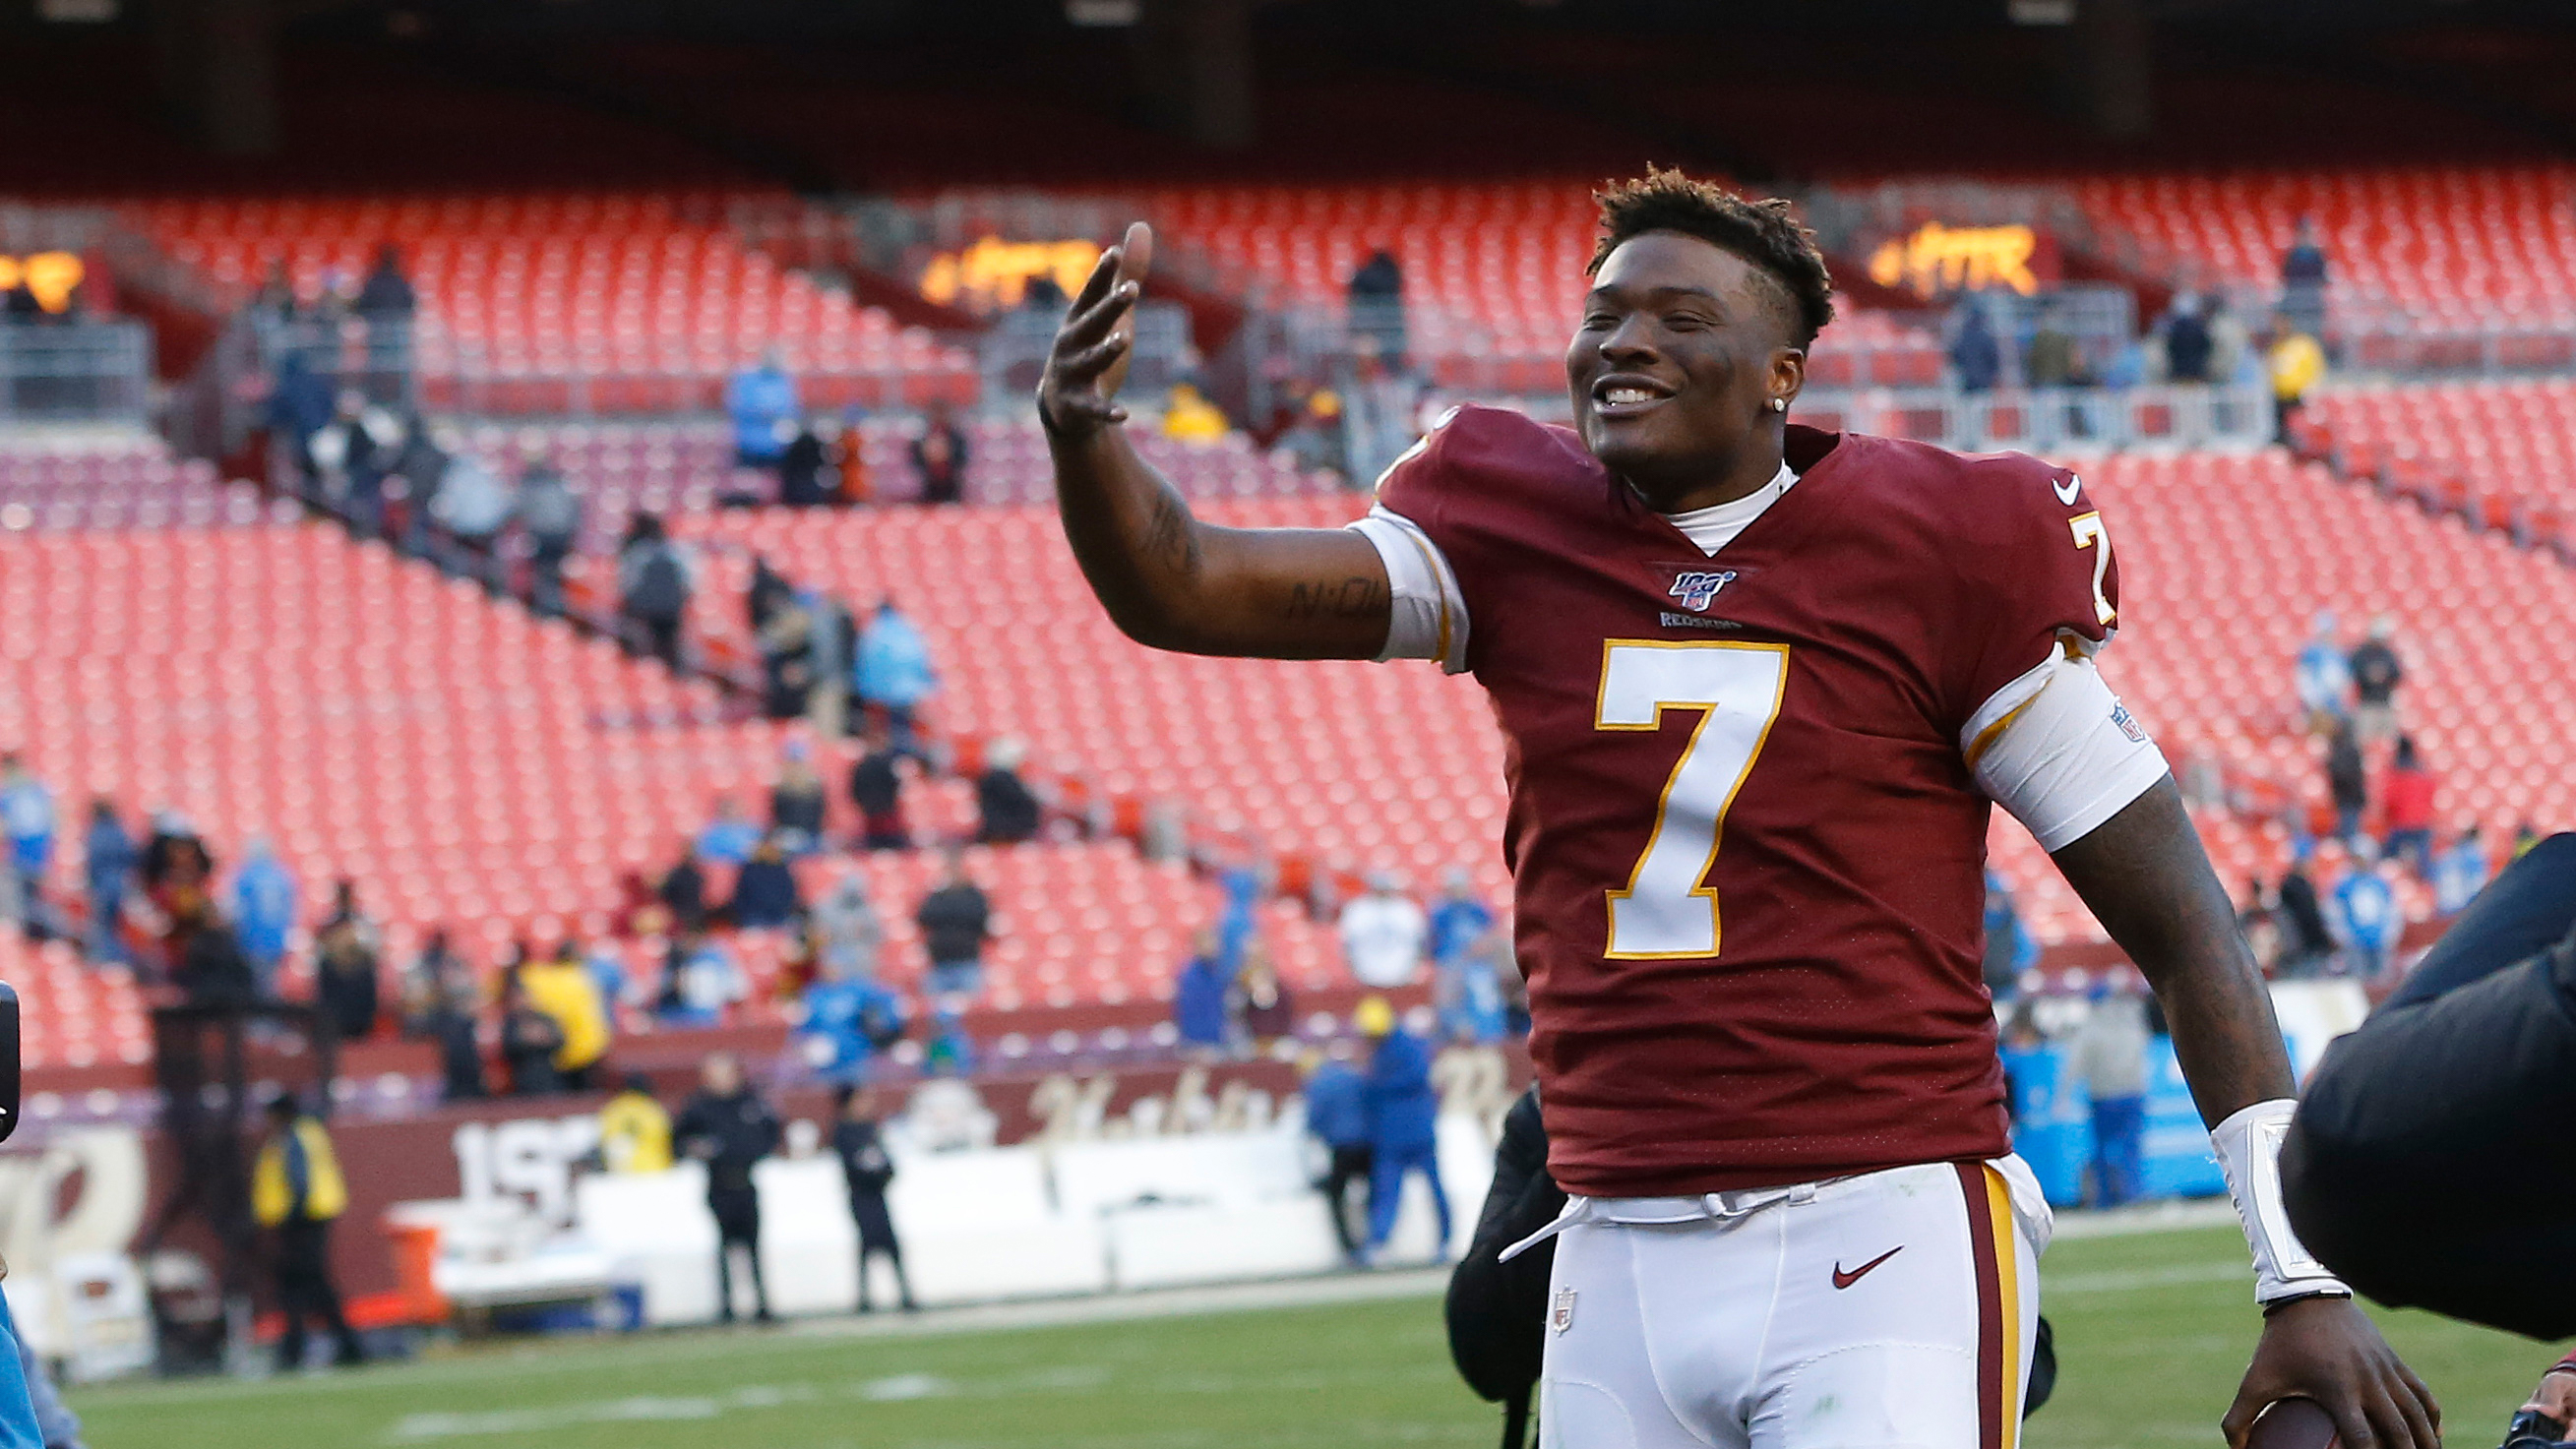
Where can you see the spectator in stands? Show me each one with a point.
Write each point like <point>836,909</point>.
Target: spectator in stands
<point>730,1129</point>
<point>1383,934</point>
<point>796,801</point>
<point>1472,1005</point>
<point>1188,417</point>
<point>761,401</point>
<point>787,659</point>
<point>1263,1005</point>
<point>731,837</point>
<point>2365,918</point>
<point>296,1191</point>
<point>830,636</point>
<point>635,1129</point>
<point>2375,677</point>
<point>1007,810</point>
<point>848,1018</point>
<point>299,408</point>
<point>2295,363</point>
<point>683,892</point>
<point>1403,1112</point>
<point>421,466</point>
<point>2259,922</point>
<point>2459,873</point>
<point>531,1039</point>
<point>27,813</point>
<point>2524,838</point>
<point>1458,918</point>
<point>2010,951</point>
<point>438,1006</point>
<point>387,292</point>
<point>1203,998</point>
<point>2049,361</point>
<point>2187,341</point>
<point>893,674</point>
<point>275,299</point>
<point>263,909</point>
<point>561,985</point>
<point>2323,678</point>
<point>606,963</point>
<point>108,859</point>
<point>472,507</point>
<point>2306,939</point>
<point>344,976</point>
<point>653,588</point>
<point>806,477</point>
<point>552,515</point>
<point>2347,782</point>
<point>176,868</point>
<point>765,896</point>
<point>2110,1059</point>
<point>700,982</point>
<point>2231,349</point>
<point>770,592</point>
<point>354,452</point>
<point>956,922</point>
<point>876,787</point>
<point>1975,355</point>
<point>1337,1116</point>
<point>868,1171</point>
<point>2303,281</point>
<point>1376,300</point>
<point>846,930</point>
<point>2406,810</point>
<point>939,456</point>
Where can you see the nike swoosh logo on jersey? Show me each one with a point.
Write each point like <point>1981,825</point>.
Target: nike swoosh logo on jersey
<point>1845,1280</point>
<point>2067,490</point>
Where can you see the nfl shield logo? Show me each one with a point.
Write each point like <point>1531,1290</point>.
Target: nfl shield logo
<point>1561,1317</point>
<point>1697,588</point>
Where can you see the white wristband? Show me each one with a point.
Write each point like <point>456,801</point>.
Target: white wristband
<point>2249,1152</point>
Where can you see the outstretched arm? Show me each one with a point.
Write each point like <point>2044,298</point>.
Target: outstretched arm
<point>1168,580</point>
<point>2148,881</point>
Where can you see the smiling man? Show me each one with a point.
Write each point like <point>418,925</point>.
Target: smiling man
<point>1761,686</point>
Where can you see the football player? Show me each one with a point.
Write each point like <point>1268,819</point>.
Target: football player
<point>1759,686</point>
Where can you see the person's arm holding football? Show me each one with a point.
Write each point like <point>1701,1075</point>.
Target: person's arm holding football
<point>1168,580</point>
<point>2145,876</point>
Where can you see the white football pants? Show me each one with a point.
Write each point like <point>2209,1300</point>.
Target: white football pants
<point>1891,1309</point>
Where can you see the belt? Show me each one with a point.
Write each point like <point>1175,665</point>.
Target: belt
<point>1724,1208</point>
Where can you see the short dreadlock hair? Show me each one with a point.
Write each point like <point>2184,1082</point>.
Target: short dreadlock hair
<point>1761,232</point>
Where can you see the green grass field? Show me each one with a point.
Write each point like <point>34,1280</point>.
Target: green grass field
<point>2152,1332</point>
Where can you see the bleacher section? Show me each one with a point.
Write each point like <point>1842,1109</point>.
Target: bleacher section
<point>563,302</point>
<point>2449,248</point>
<point>115,483</point>
<point>2502,454</point>
<point>1492,273</point>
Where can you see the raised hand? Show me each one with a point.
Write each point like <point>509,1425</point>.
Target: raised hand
<point>1077,395</point>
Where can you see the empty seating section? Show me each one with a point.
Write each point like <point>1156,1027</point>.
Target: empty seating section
<point>70,1014</point>
<point>2224,563</point>
<point>115,483</point>
<point>1492,273</point>
<point>556,303</point>
<point>2455,247</point>
<point>1353,763</point>
<point>2502,453</point>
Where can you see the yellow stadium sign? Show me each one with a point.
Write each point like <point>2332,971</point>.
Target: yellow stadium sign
<point>1938,259</point>
<point>48,276</point>
<point>994,273</point>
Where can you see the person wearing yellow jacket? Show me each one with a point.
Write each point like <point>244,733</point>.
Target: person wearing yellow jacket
<point>634,1130</point>
<point>564,989</point>
<point>296,1190</point>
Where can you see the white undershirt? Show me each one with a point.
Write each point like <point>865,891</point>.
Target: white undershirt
<point>1716,526</point>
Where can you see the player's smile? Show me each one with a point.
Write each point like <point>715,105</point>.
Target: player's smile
<point>1627,395</point>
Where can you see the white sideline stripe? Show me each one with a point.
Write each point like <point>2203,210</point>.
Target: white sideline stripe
<point>2122,1281</point>
<point>1119,1307</point>
<point>2162,1217</point>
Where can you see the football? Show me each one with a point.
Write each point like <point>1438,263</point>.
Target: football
<point>2292,1424</point>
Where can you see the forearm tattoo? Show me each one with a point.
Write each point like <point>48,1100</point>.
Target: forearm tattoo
<point>1170,539</point>
<point>1349,598</point>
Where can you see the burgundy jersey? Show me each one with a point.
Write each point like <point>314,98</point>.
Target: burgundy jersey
<point>1747,848</point>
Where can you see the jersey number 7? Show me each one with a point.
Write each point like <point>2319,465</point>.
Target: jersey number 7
<point>1667,909</point>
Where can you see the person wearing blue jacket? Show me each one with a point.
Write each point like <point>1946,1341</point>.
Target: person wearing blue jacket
<point>893,674</point>
<point>1337,1116</point>
<point>32,1415</point>
<point>1199,997</point>
<point>1402,1111</point>
<point>761,401</point>
<point>263,910</point>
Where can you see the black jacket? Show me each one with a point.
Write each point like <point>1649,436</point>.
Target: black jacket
<point>1497,1311</point>
<point>736,1131</point>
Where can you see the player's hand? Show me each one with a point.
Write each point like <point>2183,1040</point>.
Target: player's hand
<point>2556,1397</point>
<point>1078,394</point>
<point>2328,1350</point>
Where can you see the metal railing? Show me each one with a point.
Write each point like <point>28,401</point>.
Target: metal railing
<point>83,371</point>
<point>2053,421</point>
